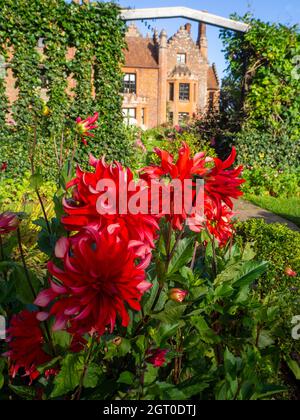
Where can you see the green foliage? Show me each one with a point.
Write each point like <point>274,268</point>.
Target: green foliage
<point>275,243</point>
<point>263,180</point>
<point>261,96</point>
<point>166,138</point>
<point>266,149</point>
<point>96,35</point>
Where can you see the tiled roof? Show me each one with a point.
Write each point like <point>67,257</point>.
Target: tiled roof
<point>141,52</point>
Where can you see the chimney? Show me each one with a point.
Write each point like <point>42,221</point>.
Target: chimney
<point>202,40</point>
<point>162,77</point>
<point>188,27</point>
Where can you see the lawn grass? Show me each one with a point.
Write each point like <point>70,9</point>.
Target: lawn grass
<point>288,208</point>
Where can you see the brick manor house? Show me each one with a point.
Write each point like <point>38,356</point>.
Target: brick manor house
<point>167,80</point>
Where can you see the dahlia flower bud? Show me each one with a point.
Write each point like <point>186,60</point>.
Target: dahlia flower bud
<point>84,127</point>
<point>178,295</point>
<point>289,272</point>
<point>8,222</point>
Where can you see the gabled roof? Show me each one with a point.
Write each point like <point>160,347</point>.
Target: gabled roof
<point>141,52</point>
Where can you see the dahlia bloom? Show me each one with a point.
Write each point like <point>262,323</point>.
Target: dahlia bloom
<point>178,295</point>
<point>84,127</point>
<point>185,168</point>
<point>8,222</point>
<point>99,280</point>
<point>157,357</point>
<point>86,208</point>
<point>25,340</point>
<point>219,221</point>
<point>222,183</point>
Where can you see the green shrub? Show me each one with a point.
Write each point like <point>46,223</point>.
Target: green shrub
<point>264,149</point>
<point>280,246</point>
<point>263,180</point>
<point>277,244</point>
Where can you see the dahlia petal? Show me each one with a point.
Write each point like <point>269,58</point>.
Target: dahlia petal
<point>44,298</point>
<point>61,247</point>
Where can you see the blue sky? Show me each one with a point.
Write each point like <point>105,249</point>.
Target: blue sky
<point>286,12</point>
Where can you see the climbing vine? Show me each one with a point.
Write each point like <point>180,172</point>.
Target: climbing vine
<point>261,94</point>
<point>65,59</point>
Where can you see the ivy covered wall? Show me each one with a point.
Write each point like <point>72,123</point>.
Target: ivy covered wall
<point>65,59</point>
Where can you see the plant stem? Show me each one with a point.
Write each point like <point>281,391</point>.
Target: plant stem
<point>73,155</point>
<point>194,256</point>
<point>24,264</point>
<point>43,210</point>
<point>214,261</point>
<point>85,367</point>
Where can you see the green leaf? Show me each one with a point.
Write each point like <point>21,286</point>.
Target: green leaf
<point>126,378</point>
<point>69,376</point>
<point>150,375</point>
<point>36,181</point>
<point>25,392</point>
<point>294,366</point>
<point>265,339</point>
<point>92,376</point>
<point>183,255</point>
<point>172,313</point>
<point>62,339</point>
<point>241,274</point>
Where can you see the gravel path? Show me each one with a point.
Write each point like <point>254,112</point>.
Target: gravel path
<point>245,210</point>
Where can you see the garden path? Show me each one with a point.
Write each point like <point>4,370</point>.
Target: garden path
<point>245,210</point>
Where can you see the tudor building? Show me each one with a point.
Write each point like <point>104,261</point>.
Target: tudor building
<point>167,80</point>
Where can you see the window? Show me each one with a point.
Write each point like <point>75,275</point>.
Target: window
<point>171,117</point>
<point>184,91</point>
<point>183,117</point>
<point>129,83</point>
<point>181,58</point>
<point>171,92</point>
<point>129,116</point>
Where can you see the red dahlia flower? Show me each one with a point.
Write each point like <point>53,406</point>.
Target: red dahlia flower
<point>86,208</point>
<point>25,340</point>
<point>184,169</point>
<point>219,221</point>
<point>98,281</point>
<point>222,183</point>
<point>8,222</point>
<point>157,357</point>
<point>84,127</point>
